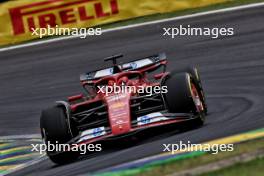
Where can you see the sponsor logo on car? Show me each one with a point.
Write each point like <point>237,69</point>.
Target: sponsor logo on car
<point>151,118</point>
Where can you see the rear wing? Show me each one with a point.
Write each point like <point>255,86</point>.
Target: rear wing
<point>130,66</point>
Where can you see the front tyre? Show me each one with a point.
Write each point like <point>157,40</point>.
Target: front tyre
<point>55,130</point>
<point>183,97</point>
<point>195,75</point>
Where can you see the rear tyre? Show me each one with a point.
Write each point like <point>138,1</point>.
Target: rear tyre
<point>182,97</point>
<point>55,130</point>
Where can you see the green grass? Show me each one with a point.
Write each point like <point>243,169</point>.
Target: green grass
<point>204,159</point>
<point>251,168</point>
<point>176,165</point>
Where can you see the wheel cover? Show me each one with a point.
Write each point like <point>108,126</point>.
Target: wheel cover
<point>196,99</point>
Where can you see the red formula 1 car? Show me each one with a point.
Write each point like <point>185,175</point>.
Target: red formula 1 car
<point>145,96</point>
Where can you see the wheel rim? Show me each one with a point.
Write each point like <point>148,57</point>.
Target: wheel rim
<point>196,99</point>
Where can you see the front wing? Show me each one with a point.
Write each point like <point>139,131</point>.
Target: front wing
<point>143,122</point>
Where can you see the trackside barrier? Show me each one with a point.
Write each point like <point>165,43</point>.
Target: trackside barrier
<point>18,18</point>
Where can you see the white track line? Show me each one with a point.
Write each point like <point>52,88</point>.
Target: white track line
<point>253,5</point>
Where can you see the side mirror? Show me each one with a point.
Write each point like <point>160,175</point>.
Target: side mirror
<point>74,98</point>
<point>158,76</point>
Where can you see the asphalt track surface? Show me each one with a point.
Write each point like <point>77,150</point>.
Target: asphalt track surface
<point>232,69</point>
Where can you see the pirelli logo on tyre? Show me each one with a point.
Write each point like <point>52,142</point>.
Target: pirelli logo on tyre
<point>41,14</point>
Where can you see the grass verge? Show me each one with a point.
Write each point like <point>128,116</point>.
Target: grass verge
<point>254,167</point>
<point>204,159</point>
<point>198,159</point>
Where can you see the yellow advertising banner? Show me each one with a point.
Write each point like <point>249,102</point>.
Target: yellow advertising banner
<point>18,18</point>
